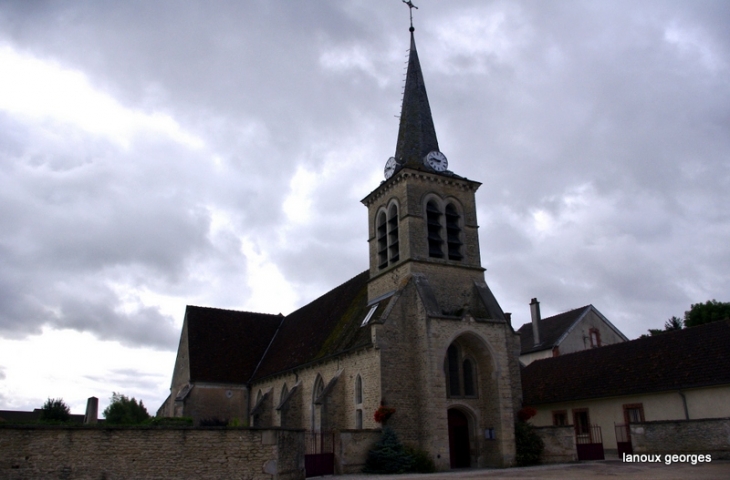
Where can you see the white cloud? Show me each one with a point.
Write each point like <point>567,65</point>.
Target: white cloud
<point>43,90</point>
<point>74,366</point>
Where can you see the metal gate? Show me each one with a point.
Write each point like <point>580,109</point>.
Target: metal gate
<point>319,453</point>
<point>623,439</point>
<point>589,442</point>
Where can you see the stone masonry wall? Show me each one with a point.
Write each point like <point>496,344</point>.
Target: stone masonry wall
<point>340,413</point>
<point>351,449</point>
<point>48,452</point>
<point>559,444</point>
<point>706,436</point>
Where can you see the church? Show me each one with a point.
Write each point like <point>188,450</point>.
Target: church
<point>419,332</point>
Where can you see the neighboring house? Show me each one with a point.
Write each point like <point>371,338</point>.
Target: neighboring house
<point>419,331</point>
<point>568,332</point>
<point>683,374</point>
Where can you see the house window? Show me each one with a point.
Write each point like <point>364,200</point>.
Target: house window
<point>581,420</point>
<point>595,337</point>
<point>460,373</point>
<point>453,233</point>
<point>560,417</point>
<point>433,223</point>
<point>633,413</point>
<point>358,390</point>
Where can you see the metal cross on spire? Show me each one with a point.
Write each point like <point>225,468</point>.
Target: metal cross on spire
<point>410,11</point>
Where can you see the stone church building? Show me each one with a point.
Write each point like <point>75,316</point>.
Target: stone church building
<point>419,331</point>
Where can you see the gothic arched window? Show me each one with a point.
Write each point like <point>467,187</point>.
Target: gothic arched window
<point>461,374</point>
<point>358,390</point>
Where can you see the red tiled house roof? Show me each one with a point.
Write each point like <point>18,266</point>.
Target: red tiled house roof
<point>689,358</point>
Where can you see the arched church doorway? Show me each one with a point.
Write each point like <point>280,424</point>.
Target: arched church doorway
<point>459,449</point>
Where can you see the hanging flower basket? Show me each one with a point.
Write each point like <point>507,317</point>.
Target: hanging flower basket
<point>383,413</point>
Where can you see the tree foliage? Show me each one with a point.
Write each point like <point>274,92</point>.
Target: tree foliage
<point>710,311</point>
<point>55,410</point>
<point>125,411</point>
<point>528,443</point>
<point>388,455</point>
<point>674,323</point>
<point>698,314</point>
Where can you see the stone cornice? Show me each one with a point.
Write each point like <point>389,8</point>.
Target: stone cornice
<point>409,174</point>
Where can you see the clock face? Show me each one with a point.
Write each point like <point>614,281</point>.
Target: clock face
<point>390,167</point>
<point>436,160</point>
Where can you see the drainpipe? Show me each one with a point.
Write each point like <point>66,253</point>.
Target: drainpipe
<point>684,402</point>
<point>535,313</point>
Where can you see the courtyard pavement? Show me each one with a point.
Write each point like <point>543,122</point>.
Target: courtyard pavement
<point>601,469</point>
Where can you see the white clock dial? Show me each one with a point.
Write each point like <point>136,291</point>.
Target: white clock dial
<point>390,167</point>
<point>436,160</point>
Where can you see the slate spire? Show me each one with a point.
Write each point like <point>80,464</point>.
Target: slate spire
<point>416,135</point>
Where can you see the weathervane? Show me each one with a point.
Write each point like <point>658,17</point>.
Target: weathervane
<point>410,11</point>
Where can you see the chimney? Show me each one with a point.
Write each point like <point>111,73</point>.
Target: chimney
<point>535,313</point>
<point>92,411</point>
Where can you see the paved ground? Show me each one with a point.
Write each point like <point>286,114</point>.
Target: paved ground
<point>717,470</point>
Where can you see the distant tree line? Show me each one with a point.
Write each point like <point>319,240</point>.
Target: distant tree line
<point>698,314</point>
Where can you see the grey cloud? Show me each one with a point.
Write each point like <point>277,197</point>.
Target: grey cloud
<point>589,94</point>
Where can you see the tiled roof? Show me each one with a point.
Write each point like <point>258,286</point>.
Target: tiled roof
<point>551,329</point>
<point>692,357</point>
<point>324,327</point>
<point>225,345</point>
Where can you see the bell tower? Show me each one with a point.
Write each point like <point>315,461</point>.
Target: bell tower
<point>422,217</point>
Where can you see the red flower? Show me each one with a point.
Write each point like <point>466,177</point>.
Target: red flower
<point>526,413</point>
<point>383,413</point>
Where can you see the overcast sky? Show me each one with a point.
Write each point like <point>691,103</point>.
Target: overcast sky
<point>155,154</point>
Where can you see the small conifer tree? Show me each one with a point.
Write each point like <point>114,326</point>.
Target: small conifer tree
<point>388,455</point>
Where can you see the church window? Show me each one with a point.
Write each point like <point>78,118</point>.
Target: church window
<point>382,234</point>
<point>461,373</point>
<point>318,388</point>
<point>453,233</point>
<point>358,419</point>
<point>358,390</point>
<point>453,359</point>
<point>433,223</point>
<point>393,247</point>
<point>468,371</point>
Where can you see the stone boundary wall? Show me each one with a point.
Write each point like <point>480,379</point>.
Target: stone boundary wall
<point>705,436</point>
<point>559,444</point>
<point>351,449</point>
<point>58,452</point>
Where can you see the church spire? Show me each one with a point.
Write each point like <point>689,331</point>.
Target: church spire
<point>416,135</point>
